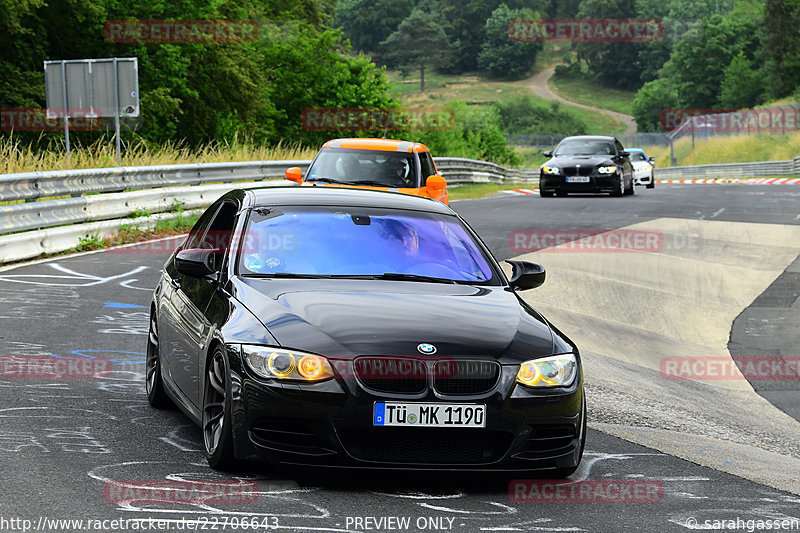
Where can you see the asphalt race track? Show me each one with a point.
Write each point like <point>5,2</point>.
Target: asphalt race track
<point>717,279</point>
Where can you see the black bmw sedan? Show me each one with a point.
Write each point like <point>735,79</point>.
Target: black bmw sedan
<point>342,327</point>
<point>587,164</point>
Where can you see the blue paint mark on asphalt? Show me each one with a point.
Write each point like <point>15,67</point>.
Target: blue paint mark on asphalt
<point>118,305</point>
<point>134,358</point>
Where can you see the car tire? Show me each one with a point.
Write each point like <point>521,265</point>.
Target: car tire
<point>652,184</point>
<point>566,472</point>
<point>545,194</point>
<point>632,190</point>
<point>620,190</point>
<point>217,418</point>
<point>154,383</point>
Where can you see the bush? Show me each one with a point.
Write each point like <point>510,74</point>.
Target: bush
<point>522,115</point>
<point>476,134</point>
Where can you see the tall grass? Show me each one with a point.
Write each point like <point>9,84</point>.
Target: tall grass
<point>16,156</point>
<point>733,149</point>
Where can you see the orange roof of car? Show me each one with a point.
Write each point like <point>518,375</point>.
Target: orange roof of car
<point>383,145</point>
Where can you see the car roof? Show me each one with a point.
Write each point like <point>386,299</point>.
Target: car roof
<point>590,138</point>
<point>634,150</point>
<point>382,145</point>
<point>344,197</point>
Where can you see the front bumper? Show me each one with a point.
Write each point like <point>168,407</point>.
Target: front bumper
<point>598,183</point>
<point>330,424</point>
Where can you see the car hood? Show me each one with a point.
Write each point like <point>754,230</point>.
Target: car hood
<point>582,160</point>
<point>346,318</point>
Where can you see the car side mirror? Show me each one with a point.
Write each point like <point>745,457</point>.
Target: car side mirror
<point>548,153</point>
<point>294,174</point>
<point>526,275</point>
<point>436,183</point>
<point>652,160</point>
<point>195,262</point>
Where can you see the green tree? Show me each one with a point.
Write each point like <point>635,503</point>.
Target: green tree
<point>419,41</point>
<point>500,56</point>
<point>741,84</point>
<point>698,62</point>
<point>615,64</point>
<point>197,92</point>
<point>651,101</point>
<point>368,22</point>
<point>781,53</point>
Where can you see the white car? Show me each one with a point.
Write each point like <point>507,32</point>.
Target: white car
<point>643,167</point>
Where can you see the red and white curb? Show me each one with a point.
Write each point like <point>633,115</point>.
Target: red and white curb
<point>748,181</point>
<point>522,191</point>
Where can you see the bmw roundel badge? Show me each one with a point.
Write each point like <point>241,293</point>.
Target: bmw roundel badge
<point>427,349</point>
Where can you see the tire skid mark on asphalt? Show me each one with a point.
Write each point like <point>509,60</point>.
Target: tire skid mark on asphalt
<point>88,279</point>
<point>287,496</point>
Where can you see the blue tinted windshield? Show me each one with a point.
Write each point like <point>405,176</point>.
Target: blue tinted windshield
<point>364,242</point>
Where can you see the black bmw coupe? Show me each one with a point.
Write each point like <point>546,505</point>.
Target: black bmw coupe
<point>341,327</point>
<point>587,164</point>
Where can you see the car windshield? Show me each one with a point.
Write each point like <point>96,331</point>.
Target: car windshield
<point>359,242</point>
<point>584,147</point>
<point>637,156</point>
<point>363,167</point>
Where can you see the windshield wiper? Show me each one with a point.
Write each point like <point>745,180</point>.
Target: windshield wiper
<point>370,183</point>
<point>397,276</point>
<point>326,180</point>
<point>287,275</point>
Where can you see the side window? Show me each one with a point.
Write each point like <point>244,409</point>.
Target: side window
<point>426,165</point>
<point>199,230</point>
<point>220,233</point>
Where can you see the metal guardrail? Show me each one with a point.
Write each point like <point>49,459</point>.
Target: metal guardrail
<point>159,192</point>
<point>732,170</point>
<point>34,185</point>
<point>102,200</point>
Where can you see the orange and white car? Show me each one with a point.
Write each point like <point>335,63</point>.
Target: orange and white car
<point>379,164</point>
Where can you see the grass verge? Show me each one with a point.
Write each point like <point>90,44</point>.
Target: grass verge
<point>482,190</point>
<point>729,149</point>
<point>135,232</point>
<point>17,157</point>
<point>584,90</point>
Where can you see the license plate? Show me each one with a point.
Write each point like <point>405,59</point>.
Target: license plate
<point>429,415</point>
<point>577,179</point>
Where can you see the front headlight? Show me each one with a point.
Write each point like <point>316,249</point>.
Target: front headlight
<point>610,169</point>
<point>276,363</point>
<point>553,371</point>
<point>550,170</point>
